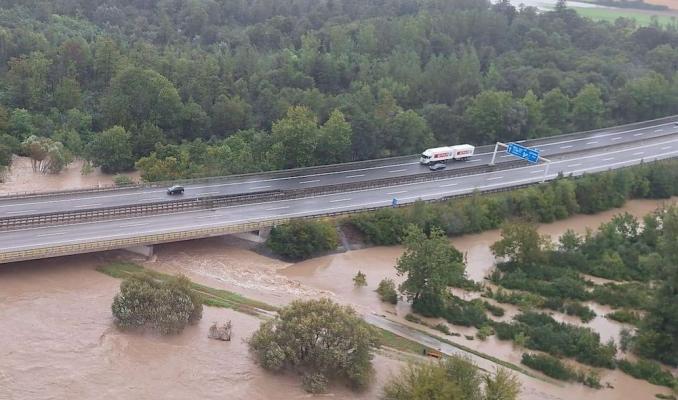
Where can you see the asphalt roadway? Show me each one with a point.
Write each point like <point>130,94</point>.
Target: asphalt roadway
<point>605,159</point>
<point>12,207</point>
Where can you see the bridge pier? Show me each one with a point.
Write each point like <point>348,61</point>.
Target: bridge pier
<point>146,251</point>
<point>264,233</point>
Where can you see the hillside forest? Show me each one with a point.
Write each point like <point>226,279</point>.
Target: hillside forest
<point>194,88</point>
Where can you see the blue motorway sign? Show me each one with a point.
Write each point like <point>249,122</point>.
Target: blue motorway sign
<point>526,153</point>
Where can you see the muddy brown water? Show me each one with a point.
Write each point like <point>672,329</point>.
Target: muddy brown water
<point>58,340</point>
<point>21,178</point>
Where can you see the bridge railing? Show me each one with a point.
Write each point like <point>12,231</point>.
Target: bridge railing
<point>295,172</point>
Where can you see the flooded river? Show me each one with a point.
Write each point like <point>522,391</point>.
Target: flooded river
<point>58,340</point>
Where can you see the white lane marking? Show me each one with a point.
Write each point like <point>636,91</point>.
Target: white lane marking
<point>87,205</point>
<point>495,178</point>
<point>19,212</point>
<point>574,165</point>
<point>658,130</point>
<point>313,181</point>
<point>311,212</point>
<point>207,193</point>
<point>354,176</point>
<point>131,225</point>
<point>666,147</point>
<point>277,208</point>
<point>593,142</point>
<point>536,172</point>
<point>566,147</point>
<point>260,187</point>
<point>398,192</point>
<point>397,170</point>
<point>449,184</point>
<point>330,173</point>
<point>51,234</point>
<point>338,200</point>
<point>374,189</point>
<point>640,153</point>
<point>506,155</point>
<point>205,217</point>
<point>615,138</point>
<point>642,133</point>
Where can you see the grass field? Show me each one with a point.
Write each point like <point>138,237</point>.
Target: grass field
<point>643,18</point>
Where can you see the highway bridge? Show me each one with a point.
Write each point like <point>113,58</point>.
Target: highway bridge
<point>219,206</point>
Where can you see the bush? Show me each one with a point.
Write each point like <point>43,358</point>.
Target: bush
<point>583,312</point>
<point>360,280</point>
<point>387,291</point>
<point>484,332</point>
<point>164,306</point>
<point>413,318</point>
<point>625,316</point>
<point>649,370</point>
<point>301,239</point>
<point>494,310</point>
<point>549,365</point>
<point>453,378</point>
<point>314,383</point>
<point>442,328</point>
<point>319,336</point>
<point>383,227</point>
<point>123,180</point>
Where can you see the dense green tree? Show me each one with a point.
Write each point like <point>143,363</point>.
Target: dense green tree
<point>295,139</point>
<point>299,240</point>
<point>556,109</point>
<point>521,243</point>
<point>496,116</point>
<point>334,142</point>
<point>430,265</point>
<point>588,109</point>
<point>454,378</point>
<point>137,96</point>
<point>319,336</point>
<point>112,150</point>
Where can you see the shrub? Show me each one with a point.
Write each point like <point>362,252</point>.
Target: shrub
<point>649,370</point>
<point>383,227</point>
<point>442,328</point>
<point>123,180</point>
<point>494,310</point>
<point>319,336</point>
<point>413,318</point>
<point>360,279</point>
<point>484,332</point>
<point>314,383</point>
<point>165,306</point>
<point>625,316</point>
<point>387,291</point>
<point>583,312</point>
<point>301,239</point>
<point>453,378</point>
<point>549,365</point>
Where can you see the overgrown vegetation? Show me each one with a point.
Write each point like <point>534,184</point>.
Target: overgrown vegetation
<point>320,339</point>
<point>650,371</point>
<point>166,306</point>
<point>187,89</point>
<point>555,200</point>
<point>453,378</point>
<point>301,239</point>
<point>557,369</point>
<point>387,291</point>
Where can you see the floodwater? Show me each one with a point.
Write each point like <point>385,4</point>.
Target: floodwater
<point>59,342</point>
<point>21,178</point>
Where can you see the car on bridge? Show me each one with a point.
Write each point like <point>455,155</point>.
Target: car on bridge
<point>176,189</point>
<point>437,167</point>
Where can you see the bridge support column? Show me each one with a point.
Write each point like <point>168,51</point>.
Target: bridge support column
<point>264,233</point>
<point>146,251</point>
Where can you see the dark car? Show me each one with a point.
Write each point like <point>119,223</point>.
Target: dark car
<point>437,167</point>
<point>176,189</point>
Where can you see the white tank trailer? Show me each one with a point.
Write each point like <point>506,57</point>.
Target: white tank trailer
<point>459,152</point>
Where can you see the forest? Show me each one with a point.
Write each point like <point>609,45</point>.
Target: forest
<point>212,87</point>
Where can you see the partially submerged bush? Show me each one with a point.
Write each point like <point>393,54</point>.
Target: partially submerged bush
<point>302,239</point>
<point>320,338</point>
<point>387,291</point>
<point>164,306</point>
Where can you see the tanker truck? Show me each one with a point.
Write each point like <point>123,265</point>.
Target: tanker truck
<point>460,152</point>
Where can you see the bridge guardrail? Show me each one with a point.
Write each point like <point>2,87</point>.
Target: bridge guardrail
<point>211,202</point>
<point>317,169</point>
<point>143,240</point>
